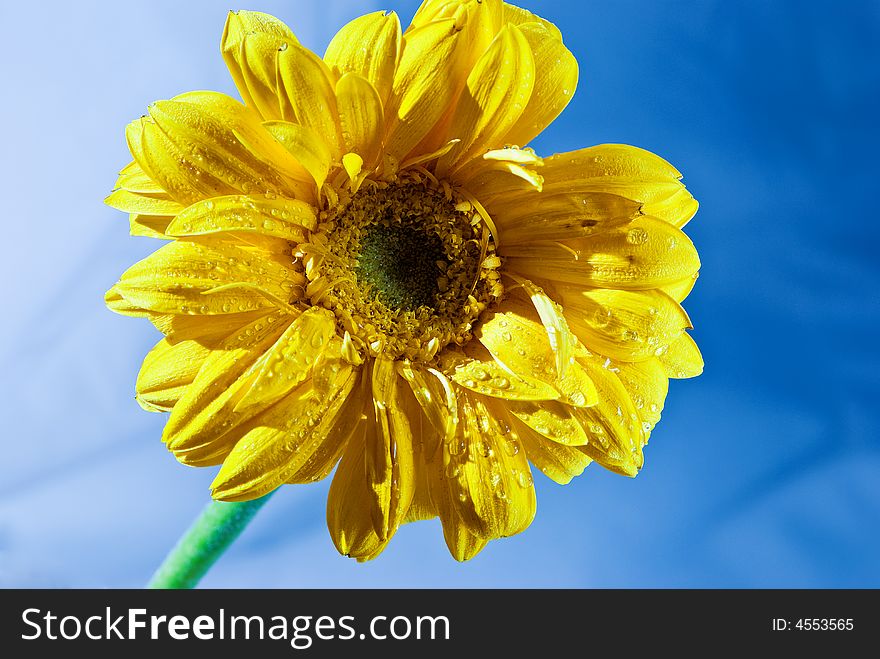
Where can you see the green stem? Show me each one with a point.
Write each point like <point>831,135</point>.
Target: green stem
<point>204,542</point>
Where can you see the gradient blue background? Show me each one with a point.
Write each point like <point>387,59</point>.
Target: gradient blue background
<point>765,472</point>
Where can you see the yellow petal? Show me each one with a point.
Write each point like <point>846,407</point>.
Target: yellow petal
<point>556,76</point>
<point>550,419</point>
<point>132,202</point>
<point>222,138</point>
<point>309,86</point>
<point>560,337</point>
<point>626,171</point>
<point>210,145</point>
<point>168,369</point>
<point>250,45</point>
<point>435,395</point>
<point>496,178</point>
<point>206,411</point>
<point>557,461</point>
<point>175,171</point>
<point>487,479</point>
<point>682,359</point>
<point>282,218</point>
<point>646,253</point>
<point>561,216</point>
<point>349,516</point>
<point>626,325</point>
<point>476,369</point>
<point>308,148</point>
<point>178,278</point>
<point>360,117</point>
<point>462,544</point>
<point>210,331</point>
<point>389,451</point>
<point>647,385</point>
<point>612,425</point>
<point>149,226</point>
<point>423,85</point>
<point>326,455</point>
<point>368,46</point>
<point>135,179</point>
<point>679,290</point>
<point>426,445</point>
<point>497,90</point>
<point>519,16</point>
<point>274,445</point>
<point>519,343</point>
<point>290,361</point>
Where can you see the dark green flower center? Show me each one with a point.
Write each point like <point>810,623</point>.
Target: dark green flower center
<point>401,264</point>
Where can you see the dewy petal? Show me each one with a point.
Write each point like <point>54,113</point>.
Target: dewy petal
<point>497,177</point>
<point>206,412</point>
<point>497,90</point>
<point>134,179</point>
<point>349,503</point>
<point>423,85</point>
<point>289,362</point>
<point>368,46</point>
<point>485,481</point>
<point>560,216</point>
<point>426,445</point>
<point>360,117</point>
<point>279,217</point>
<point>561,339</point>
<point>178,278</point>
<point>250,45</point>
<point>309,86</point>
<point>389,451</point>
<point>462,543</point>
<point>647,385</point>
<point>550,419</point>
<point>682,358</point>
<point>308,148</point>
<point>613,426</point>
<point>626,171</point>
<point>519,16</point>
<point>475,368</point>
<point>679,290</point>
<point>275,444</point>
<point>168,369</point>
<point>556,76</point>
<point>204,144</point>
<point>519,343</point>
<point>626,325</point>
<point>435,395</point>
<point>148,226</point>
<point>132,202</point>
<point>646,253</point>
<point>557,461</point>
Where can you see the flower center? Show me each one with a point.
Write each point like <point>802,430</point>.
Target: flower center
<point>407,267</point>
<point>401,264</point>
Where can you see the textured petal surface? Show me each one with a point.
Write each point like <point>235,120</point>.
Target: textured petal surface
<point>556,76</point>
<point>497,90</point>
<point>181,278</point>
<point>646,253</point>
<point>250,44</point>
<point>368,46</point>
<point>274,445</point>
<point>422,85</point>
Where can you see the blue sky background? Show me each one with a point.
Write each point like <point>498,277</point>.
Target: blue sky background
<point>764,472</point>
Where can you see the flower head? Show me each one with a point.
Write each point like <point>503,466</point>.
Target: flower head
<point>366,266</point>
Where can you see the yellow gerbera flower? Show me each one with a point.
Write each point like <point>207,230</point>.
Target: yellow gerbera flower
<point>364,268</point>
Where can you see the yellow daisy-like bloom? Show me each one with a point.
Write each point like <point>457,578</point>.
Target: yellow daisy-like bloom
<point>365,266</point>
